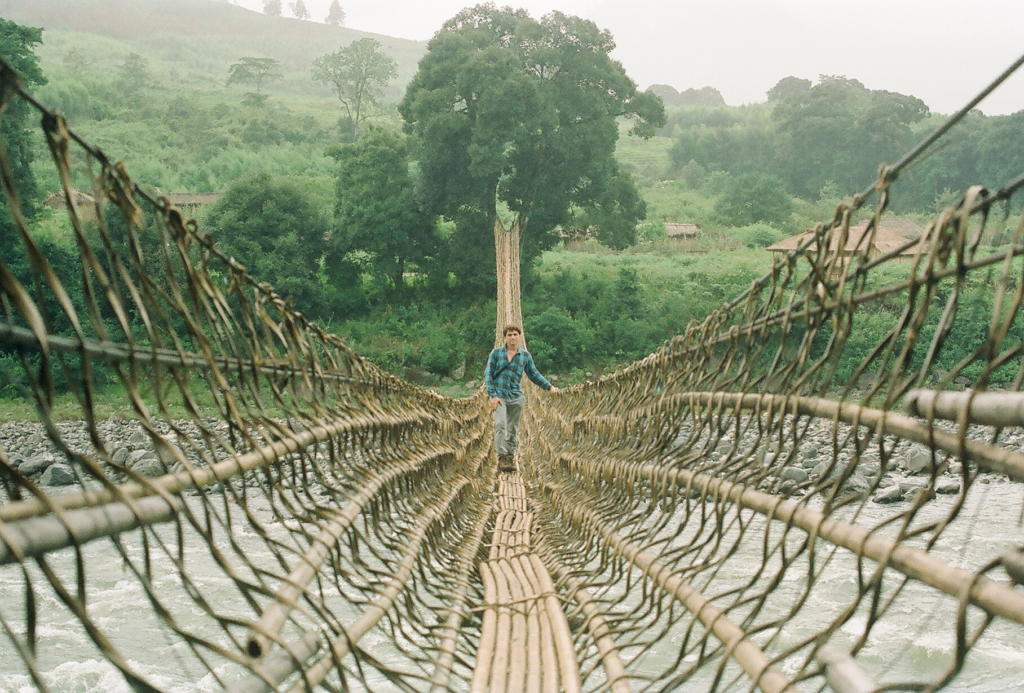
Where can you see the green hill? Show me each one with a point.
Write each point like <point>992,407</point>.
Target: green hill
<point>192,42</point>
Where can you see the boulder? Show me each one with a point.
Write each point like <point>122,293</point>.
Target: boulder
<point>869,468</point>
<point>916,460</point>
<point>120,455</point>
<point>794,474</point>
<point>892,494</point>
<point>823,467</point>
<point>138,438</point>
<point>134,458</point>
<point>150,467</point>
<point>58,475</point>
<point>857,483</point>
<point>947,487</point>
<point>37,464</point>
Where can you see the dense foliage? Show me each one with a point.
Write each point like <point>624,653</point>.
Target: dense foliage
<point>836,133</point>
<point>393,248</point>
<point>507,110</point>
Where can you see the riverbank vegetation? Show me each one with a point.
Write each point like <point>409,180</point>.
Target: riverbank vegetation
<point>365,241</point>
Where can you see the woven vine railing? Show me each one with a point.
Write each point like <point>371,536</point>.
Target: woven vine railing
<point>819,486</point>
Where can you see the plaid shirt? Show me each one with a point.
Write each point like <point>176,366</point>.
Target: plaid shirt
<point>502,376</point>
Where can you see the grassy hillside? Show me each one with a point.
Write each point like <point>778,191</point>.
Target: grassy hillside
<point>191,43</point>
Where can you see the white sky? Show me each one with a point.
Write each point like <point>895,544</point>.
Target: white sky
<point>942,51</point>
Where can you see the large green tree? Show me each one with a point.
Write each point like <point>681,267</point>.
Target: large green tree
<point>358,74</point>
<point>274,227</point>
<point>509,111</point>
<point>17,47</point>
<point>377,211</point>
<point>841,131</point>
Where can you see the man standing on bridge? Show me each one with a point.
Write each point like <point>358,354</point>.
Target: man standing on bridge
<point>505,369</point>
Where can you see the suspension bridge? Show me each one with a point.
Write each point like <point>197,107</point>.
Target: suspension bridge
<point>764,503</point>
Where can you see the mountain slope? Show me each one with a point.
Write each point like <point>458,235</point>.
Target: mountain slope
<point>198,37</point>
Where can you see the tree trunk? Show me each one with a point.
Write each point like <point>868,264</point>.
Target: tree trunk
<point>506,252</point>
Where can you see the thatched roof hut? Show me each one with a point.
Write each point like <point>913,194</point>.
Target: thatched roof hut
<point>891,234</point>
<point>85,203</point>
<point>675,230</point>
<point>191,201</point>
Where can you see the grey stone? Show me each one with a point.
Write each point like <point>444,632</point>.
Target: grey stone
<point>58,475</point>
<point>857,483</point>
<point>955,468</point>
<point>893,494</point>
<point>916,493</point>
<point>787,487</point>
<point>471,384</point>
<point>120,455</point>
<point>947,487</point>
<point>869,468</point>
<point>37,439</point>
<point>916,460</point>
<point>808,462</point>
<point>823,467</point>
<point>138,438</point>
<point>35,465</point>
<point>460,371</point>
<point>794,474</point>
<point>138,456</point>
<point>148,467</point>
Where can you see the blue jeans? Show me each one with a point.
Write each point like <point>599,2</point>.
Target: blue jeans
<point>506,425</point>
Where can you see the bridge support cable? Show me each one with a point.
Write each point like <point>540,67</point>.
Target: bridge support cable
<point>287,596</point>
<point>992,458</point>
<point>313,674</point>
<point>737,646</point>
<point>995,598</point>
<point>223,470</point>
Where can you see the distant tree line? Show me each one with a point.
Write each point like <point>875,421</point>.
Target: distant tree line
<point>834,135</point>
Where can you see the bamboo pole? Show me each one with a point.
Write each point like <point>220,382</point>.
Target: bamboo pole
<point>488,632</point>
<point>600,630</point>
<point>843,674</point>
<point>219,471</point>
<point>278,666</point>
<point>38,536</point>
<point>989,457</point>
<point>568,666</point>
<point>983,408</point>
<point>993,597</point>
<point>467,551</point>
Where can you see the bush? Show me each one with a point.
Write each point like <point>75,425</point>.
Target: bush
<point>758,235</point>
<point>753,197</point>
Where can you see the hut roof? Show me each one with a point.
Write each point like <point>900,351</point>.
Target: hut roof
<point>197,199</point>
<point>675,230</point>
<point>58,200</point>
<point>886,238</point>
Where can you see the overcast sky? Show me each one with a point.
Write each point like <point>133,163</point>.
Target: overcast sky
<point>942,51</point>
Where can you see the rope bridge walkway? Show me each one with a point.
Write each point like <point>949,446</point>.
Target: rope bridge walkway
<point>817,487</point>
